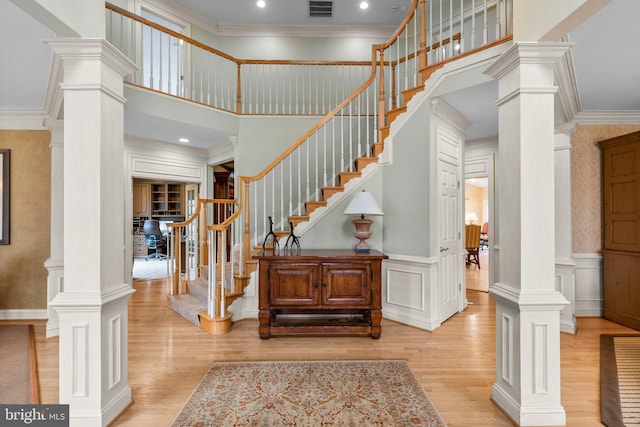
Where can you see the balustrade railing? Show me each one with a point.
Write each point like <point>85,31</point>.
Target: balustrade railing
<point>434,32</point>
<point>178,65</point>
<point>200,249</point>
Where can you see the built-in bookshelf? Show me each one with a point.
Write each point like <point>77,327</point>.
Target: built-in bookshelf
<point>167,199</point>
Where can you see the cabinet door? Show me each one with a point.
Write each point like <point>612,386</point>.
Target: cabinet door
<point>346,284</point>
<point>294,284</point>
<point>621,194</point>
<point>141,200</point>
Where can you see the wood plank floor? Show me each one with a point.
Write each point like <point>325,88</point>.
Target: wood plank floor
<point>168,357</point>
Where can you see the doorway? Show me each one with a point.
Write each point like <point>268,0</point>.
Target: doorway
<point>476,209</point>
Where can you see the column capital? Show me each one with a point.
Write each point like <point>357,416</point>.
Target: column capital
<point>72,48</point>
<point>56,129</point>
<point>523,53</point>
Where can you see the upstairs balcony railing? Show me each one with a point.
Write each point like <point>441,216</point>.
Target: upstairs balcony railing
<point>175,64</point>
<point>178,65</point>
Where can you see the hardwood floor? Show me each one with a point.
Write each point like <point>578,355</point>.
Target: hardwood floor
<point>477,279</point>
<point>168,357</point>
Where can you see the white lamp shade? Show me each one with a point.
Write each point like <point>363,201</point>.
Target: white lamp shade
<point>363,204</point>
<point>470,217</point>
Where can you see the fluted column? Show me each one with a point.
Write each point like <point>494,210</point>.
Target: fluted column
<point>528,304</point>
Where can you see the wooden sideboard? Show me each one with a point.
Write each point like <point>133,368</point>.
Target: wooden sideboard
<point>319,292</point>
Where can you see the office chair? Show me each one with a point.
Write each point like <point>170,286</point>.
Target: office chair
<point>154,239</point>
<point>484,235</point>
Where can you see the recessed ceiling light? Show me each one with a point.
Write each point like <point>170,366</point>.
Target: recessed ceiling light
<point>364,5</point>
<point>184,140</point>
<point>261,3</point>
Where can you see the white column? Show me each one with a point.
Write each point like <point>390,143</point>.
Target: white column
<point>565,265</point>
<point>55,263</point>
<point>528,305</point>
<point>92,307</point>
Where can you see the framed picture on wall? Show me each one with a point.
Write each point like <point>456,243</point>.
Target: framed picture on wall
<point>5,164</point>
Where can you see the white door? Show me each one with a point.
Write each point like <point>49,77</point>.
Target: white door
<point>450,264</point>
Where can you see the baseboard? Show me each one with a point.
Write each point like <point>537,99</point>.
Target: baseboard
<point>23,314</point>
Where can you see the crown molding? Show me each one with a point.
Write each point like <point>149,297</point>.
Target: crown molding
<point>568,95</point>
<point>23,119</point>
<point>303,30</point>
<point>54,96</point>
<point>449,114</point>
<point>230,28</point>
<point>613,117</point>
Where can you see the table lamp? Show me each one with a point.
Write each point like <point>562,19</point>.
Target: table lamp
<point>470,217</point>
<point>363,204</point>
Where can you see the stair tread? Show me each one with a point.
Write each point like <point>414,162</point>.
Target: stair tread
<point>188,306</point>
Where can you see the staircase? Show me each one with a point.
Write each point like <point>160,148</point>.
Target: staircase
<point>323,166</point>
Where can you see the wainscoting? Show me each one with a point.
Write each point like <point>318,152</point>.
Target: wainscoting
<point>409,291</point>
<point>588,284</point>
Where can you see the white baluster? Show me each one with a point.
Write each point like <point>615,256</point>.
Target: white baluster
<point>290,211</point>
<point>461,50</point>
<point>450,28</point>
<point>211,294</point>
<point>416,46</point>
<point>223,270</point>
<point>498,6</point>
<point>281,192</point>
<point>473,24</point>
<point>485,30</point>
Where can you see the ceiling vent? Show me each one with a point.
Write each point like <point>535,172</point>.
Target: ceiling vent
<point>320,9</point>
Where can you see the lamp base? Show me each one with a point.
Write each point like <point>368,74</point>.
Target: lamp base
<point>363,227</point>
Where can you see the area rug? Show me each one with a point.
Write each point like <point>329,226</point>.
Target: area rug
<point>309,393</point>
<point>149,270</point>
<point>18,371</point>
<point>620,380</point>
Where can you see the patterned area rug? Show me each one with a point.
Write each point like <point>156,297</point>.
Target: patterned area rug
<point>620,380</point>
<point>332,393</point>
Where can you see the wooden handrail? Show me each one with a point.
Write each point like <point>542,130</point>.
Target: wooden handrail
<point>158,27</point>
<point>319,124</point>
<point>402,26</point>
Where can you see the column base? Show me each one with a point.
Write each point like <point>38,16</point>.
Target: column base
<point>527,416</point>
<point>527,386</point>
<point>215,326</point>
<point>55,280</point>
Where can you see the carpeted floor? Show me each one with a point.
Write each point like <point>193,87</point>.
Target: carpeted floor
<point>152,269</point>
<point>18,371</point>
<point>309,393</point>
<point>620,380</point>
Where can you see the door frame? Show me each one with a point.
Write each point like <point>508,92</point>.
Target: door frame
<point>480,166</point>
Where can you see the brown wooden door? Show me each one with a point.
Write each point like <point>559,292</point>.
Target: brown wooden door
<point>346,284</point>
<point>621,228</point>
<point>294,284</point>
